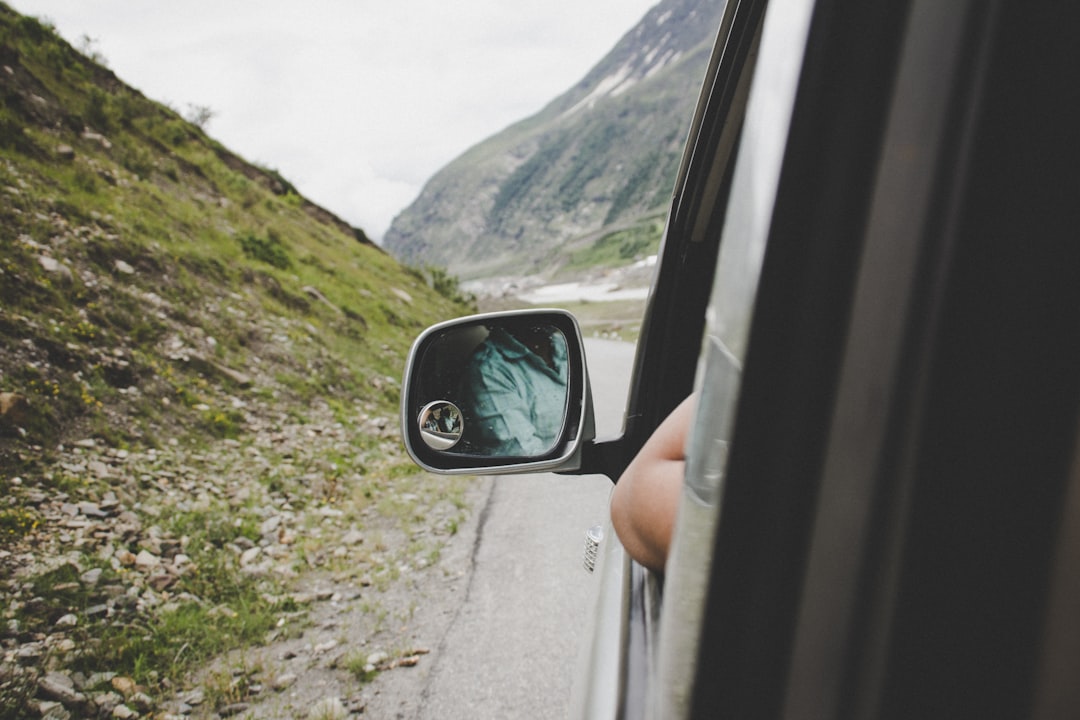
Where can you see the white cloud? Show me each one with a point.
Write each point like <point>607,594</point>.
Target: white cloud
<point>356,102</point>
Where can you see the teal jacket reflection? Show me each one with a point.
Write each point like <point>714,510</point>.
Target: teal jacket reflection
<point>513,401</point>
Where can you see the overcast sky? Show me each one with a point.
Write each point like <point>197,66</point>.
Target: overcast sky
<point>356,102</point>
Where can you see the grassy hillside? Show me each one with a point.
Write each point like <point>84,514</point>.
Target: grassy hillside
<point>190,352</point>
<point>138,253</point>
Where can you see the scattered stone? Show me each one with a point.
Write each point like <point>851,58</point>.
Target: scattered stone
<point>233,709</point>
<point>284,682</point>
<point>92,510</point>
<point>123,267</point>
<point>99,678</point>
<point>162,581</point>
<point>352,537</point>
<point>123,712</point>
<point>123,685</point>
<point>29,654</point>
<point>224,610</point>
<point>61,688</point>
<point>98,138</point>
<point>49,710</point>
<point>95,612</point>
<point>141,702</point>
<point>98,468</point>
<point>107,701</point>
<point>270,525</point>
<point>147,561</point>
<point>242,380</point>
<point>194,697</point>
<point>325,647</point>
<point>92,576</point>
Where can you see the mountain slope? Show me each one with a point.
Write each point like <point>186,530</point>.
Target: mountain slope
<point>199,369</point>
<point>601,156</point>
<point>129,237</point>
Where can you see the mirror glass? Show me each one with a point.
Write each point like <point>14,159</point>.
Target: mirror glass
<point>496,388</point>
<point>440,425</point>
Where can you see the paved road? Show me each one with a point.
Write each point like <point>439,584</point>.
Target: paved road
<point>512,636</point>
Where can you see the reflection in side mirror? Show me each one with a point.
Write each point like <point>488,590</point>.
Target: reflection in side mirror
<point>507,382</point>
<point>440,425</point>
<point>496,390</point>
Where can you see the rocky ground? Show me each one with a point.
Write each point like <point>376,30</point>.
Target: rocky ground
<point>342,558</point>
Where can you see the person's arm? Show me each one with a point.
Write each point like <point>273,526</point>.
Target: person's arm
<point>646,497</point>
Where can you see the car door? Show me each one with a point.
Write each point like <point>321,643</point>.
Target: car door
<point>877,514</point>
<point>619,665</point>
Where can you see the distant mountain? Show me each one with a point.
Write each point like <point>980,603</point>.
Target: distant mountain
<point>600,157</point>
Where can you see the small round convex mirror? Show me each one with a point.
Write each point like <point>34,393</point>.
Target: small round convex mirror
<point>441,425</point>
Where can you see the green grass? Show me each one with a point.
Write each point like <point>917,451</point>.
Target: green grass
<point>619,248</point>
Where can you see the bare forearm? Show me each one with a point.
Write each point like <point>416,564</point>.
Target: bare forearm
<point>646,498</point>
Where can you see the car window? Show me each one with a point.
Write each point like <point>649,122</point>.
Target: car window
<point>742,249</point>
<point>742,246</point>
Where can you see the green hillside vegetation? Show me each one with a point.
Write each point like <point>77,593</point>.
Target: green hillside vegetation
<point>189,349</point>
<point>618,248</point>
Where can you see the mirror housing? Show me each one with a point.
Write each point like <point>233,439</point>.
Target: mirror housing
<point>498,393</point>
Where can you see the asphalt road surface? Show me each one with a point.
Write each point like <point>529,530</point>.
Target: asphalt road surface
<point>514,622</point>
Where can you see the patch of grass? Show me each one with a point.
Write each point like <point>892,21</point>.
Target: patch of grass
<point>619,319</point>
<point>356,664</point>
<point>208,529</point>
<point>223,423</point>
<point>620,248</point>
<point>16,523</point>
<point>169,644</point>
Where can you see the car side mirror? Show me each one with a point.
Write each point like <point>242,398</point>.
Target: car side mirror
<point>499,392</point>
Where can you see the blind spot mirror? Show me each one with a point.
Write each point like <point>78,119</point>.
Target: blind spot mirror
<point>440,425</point>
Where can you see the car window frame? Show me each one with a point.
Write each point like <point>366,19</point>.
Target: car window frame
<point>673,323</point>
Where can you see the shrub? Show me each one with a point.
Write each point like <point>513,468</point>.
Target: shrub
<point>33,29</point>
<point>10,128</point>
<point>96,110</point>
<point>449,286</point>
<point>269,249</point>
